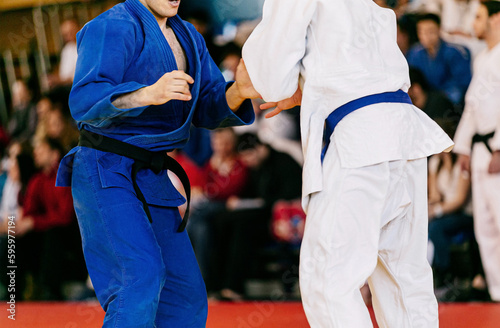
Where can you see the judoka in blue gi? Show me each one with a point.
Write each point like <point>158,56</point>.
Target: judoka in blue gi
<point>143,77</point>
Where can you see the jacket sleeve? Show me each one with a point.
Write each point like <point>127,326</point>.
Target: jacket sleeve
<point>212,110</point>
<point>274,50</point>
<point>465,131</point>
<point>105,49</point>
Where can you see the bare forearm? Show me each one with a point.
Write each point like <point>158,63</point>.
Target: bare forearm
<point>134,99</point>
<point>171,86</point>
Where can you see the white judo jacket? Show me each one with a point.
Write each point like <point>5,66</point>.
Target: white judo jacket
<point>482,109</point>
<point>341,50</point>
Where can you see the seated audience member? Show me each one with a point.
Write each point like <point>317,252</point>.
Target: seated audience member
<point>69,54</point>
<point>457,22</point>
<point>244,225</point>
<point>55,121</point>
<point>447,67</point>
<point>59,126</point>
<point>224,176</point>
<point>22,122</point>
<point>21,169</point>
<point>49,215</point>
<point>450,208</point>
<point>433,103</point>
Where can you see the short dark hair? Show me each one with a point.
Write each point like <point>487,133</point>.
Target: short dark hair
<point>492,6</point>
<point>429,17</point>
<point>417,77</point>
<point>248,141</point>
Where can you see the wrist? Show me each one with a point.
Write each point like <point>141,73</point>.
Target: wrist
<point>142,96</point>
<point>234,97</point>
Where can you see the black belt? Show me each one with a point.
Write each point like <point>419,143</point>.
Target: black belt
<point>143,159</point>
<point>484,138</point>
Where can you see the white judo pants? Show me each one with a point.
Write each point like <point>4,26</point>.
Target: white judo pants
<point>368,223</point>
<point>486,208</point>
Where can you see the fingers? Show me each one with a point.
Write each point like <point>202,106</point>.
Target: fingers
<point>183,94</point>
<point>275,112</point>
<point>174,86</point>
<point>179,75</point>
<point>268,105</point>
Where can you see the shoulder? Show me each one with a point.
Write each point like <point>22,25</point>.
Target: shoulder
<point>415,51</point>
<point>456,50</point>
<point>117,20</point>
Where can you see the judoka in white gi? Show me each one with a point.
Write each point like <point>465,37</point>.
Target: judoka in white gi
<point>366,203</point>
<point>475,133</point>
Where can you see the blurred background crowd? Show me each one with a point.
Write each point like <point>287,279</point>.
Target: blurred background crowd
<point>246,222</point>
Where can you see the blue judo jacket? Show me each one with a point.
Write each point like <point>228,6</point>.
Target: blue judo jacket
<point>121,51</point>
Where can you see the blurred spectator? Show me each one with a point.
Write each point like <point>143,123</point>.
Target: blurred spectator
<point>54,118</point>
<point>447,67</point>
<point>244,225</point>
<point>69,55</point>
<point>281,132</point>
<point>49,217</point>
<point>407,32</point>
<point>21,170</point>
<point>23,119</point>
<point>230,60</point>
<point>478,142</point>
<point>4,161</point>
<point>403,37</point>
<point>225,177</point>
<point>433,103</point>
<point>457,16</point>
<point>450,207</point>
<point>60,126</point>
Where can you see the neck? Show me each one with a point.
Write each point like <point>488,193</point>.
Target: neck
<point>162,21</point>
<point>432,51</point>
<point>493,39</point>
<point>49,168</point>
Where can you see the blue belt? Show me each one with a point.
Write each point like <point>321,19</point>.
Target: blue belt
<point>337,115</point>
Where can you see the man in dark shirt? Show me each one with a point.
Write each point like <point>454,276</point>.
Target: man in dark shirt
<point>49,219</point>
<point>244,225</point>
<point>446,66</point>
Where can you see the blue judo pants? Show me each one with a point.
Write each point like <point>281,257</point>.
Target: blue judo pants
<point>144,275</point>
